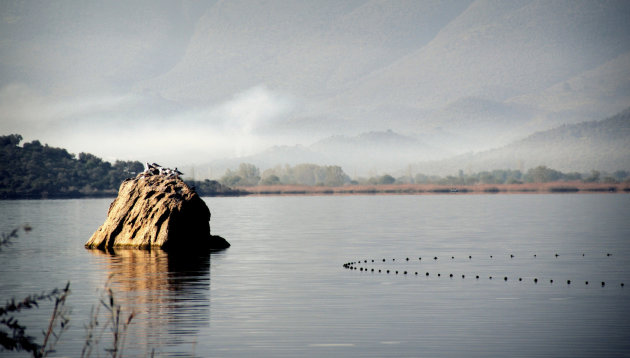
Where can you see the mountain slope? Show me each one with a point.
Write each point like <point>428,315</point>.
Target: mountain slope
<point>498,50</point>
<point>600,145</point>
<point>310,49</point>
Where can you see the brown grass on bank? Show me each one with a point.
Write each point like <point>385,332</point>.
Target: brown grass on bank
<point>551,187</point>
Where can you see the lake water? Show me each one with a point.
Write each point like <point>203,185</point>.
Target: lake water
<point>281,290</point>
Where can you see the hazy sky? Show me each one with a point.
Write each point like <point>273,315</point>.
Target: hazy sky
<point>190,81</point>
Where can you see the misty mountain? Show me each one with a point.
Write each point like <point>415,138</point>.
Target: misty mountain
<point>177,81</point>
<point>374,151</point>
<point>489,72</point>
<point>360,58</point>
<point>594,145</point>
<point>371,152</point>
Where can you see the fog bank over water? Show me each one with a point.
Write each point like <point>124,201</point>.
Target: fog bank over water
<point>202,83</point>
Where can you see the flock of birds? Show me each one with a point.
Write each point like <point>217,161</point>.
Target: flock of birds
<point>156,169</point>
<point>360,265</point>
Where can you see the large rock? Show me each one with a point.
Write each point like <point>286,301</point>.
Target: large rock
<point>156,211</point>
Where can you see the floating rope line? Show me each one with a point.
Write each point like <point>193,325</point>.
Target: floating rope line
<point>360,266</point>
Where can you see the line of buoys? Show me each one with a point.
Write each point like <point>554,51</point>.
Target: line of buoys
<point>354,265</point>
<point>350,266</point>
<point>453,257</point>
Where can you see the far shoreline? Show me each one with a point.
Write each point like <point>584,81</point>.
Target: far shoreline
<point>426,189</point>
<point>559,187</point>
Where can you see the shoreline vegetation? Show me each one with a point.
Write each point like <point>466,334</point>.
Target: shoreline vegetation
<point>418,189</point>
<point>36,171</point>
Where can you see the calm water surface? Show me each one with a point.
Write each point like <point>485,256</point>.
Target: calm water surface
<point>281,290</point>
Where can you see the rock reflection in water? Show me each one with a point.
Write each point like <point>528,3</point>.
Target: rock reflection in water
<point>169,292</point>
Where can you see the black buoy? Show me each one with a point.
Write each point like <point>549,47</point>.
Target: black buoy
<point>568,282</point>
<point>451,275</point>
<point>505,278</point>
<point>452,257</point>
<point>396,272</point>
<point>387,271</point>
<point>439,275</point>
<point>407,259</point>
<point>534,255</point>
<point>608,254</point>
<point>469,257</point>
<point>419,258</point>
<point>535,280</point>
<point>550,281</point>
<point>511,256</point>
<point>622,284</point>
<point>490,256</point>
<point>557,255</point>
<point>603,283</point>
<point>490,277</point>
<point>463,276</point>
<point>477,277</point>
<point>427,274</point>
<point>405,272</point>
<point>383,260</point>
<point>435,257</point>
<point>520,279</point>
<point>416,274</point>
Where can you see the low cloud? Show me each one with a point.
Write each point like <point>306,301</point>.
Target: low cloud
<point>145,127</point>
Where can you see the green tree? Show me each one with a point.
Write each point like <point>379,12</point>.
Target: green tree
<point>246,175</point>
<point>594,177</point>
<point>542,174</point>
<point>270,180</point>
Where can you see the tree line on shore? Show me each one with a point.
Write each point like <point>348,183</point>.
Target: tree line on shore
<point>311,174</point>
<point>38,171</point>
<point>33,170</point>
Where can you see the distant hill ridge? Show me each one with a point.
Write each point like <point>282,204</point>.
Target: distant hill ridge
<point>600,145</point>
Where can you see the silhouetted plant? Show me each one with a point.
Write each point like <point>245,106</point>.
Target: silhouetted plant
<point>15,337</point>
<point>13,334</point>
<point>5,239</point>
<point>115,320</point>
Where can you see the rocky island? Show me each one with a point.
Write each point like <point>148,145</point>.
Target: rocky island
<point>156,209</point>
